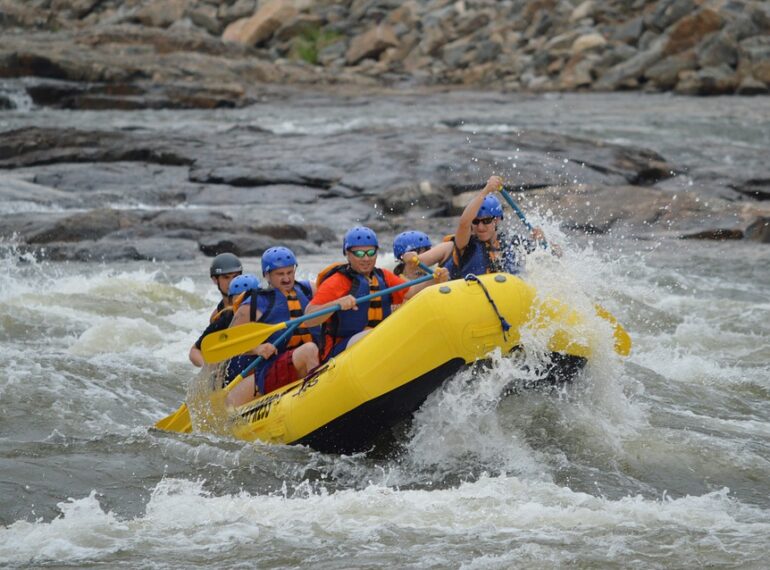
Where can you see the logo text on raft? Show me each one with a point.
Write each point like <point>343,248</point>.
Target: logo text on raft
<point>261,410</point>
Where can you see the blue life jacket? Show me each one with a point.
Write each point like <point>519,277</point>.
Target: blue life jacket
<point>275,309</point>
<point>478,258</point>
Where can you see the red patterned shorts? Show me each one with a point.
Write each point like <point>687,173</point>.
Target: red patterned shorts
<point>282,372</point>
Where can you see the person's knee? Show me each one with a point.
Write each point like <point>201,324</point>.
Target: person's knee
<point>314,354</point>
<point>306,355</point>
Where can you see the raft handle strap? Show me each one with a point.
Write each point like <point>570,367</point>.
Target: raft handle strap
<point>503,323</point>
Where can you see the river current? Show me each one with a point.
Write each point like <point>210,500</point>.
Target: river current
<point>658,460</point>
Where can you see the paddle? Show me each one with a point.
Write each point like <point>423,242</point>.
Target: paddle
<point>238,340</point>
<point>520,214</point>
<point>246,371</point>
<point>180,421</point>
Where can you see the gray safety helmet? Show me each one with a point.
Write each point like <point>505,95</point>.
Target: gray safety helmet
<point>225,263</point>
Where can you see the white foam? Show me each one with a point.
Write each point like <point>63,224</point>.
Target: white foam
<point>182,517</point>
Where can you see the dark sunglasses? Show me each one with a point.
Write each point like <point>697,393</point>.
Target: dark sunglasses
<point>359,253</point>
<point>485,221</point>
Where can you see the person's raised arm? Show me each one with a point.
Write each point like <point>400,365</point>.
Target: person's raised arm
<point>463,233</point>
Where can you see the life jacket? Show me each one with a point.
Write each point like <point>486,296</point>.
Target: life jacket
<point>498,255</point>
<point>221,308</point>
<point>344,324</point>
<point>280,308</point>
<point>238,300</point>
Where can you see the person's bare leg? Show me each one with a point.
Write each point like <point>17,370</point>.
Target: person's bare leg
<point>242,393</point>
<point>305,358</point>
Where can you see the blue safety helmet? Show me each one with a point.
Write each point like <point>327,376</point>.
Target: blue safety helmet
<point>243,283</point>
<point>360,235</point>
<point>276,258</point>
<point>490,208</point>
<point>409,241</point>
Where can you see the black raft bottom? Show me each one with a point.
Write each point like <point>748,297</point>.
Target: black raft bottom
<point>359,428</point>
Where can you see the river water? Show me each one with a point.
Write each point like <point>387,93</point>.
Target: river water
<point>660,460</point>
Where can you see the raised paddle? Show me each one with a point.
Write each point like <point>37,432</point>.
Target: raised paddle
<point>520,214</point>
<point>225,344</point>
<point>181,422</point>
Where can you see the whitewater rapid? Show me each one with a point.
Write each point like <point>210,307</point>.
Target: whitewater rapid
<point>655,461</point>
<point>661,459</point>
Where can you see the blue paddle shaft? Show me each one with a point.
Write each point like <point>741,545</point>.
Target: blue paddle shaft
<point>363,299</point>
<point>425,268</point>
<point>519,213</point>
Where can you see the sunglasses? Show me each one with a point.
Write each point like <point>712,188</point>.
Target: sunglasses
<point>485,221</point>
<point>359,253</point>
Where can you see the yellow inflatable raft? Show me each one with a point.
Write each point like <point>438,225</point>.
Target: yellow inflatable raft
<point>344,405</point>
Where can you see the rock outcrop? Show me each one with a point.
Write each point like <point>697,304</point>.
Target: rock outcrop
<point>202,53</point>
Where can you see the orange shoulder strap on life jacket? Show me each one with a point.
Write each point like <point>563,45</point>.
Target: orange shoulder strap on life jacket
<point>301,335</point>
<point>328,271</point>
<point>238,300</point>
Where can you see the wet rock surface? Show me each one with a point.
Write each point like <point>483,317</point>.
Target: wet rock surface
<point>137,193</point>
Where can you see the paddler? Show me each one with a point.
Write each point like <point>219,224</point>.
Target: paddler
<point>341,283</point>
<point>239,285</point>
<point>478,245</point>
<point>410,240</point>
<point>224,268</point>
<point>285,299</point>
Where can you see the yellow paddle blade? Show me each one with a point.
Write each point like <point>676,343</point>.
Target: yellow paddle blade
<point>550,312</point>
<point>180,421</point>
<point>622,338</point>
<point>225,344</point>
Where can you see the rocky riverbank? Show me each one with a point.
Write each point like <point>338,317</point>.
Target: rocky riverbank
<point>126,54</point>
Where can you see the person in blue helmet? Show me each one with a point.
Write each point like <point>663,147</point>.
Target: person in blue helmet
<point>411,240</point>
<point>478,246</point>
<point>340,284</point>
<point>238,287</point>
<point>285,299</point>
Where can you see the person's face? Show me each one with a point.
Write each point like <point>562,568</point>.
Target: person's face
<point>484,228</point>
<point>363,261</point>
<point>223,281</point>
<point>282,279</point>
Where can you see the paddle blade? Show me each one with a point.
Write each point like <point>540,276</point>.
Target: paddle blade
<point>225,344</point>
<point>622,338</point>
<point>180,421</point>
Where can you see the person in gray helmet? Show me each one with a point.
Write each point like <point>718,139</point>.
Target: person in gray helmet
<point>224,268</point>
